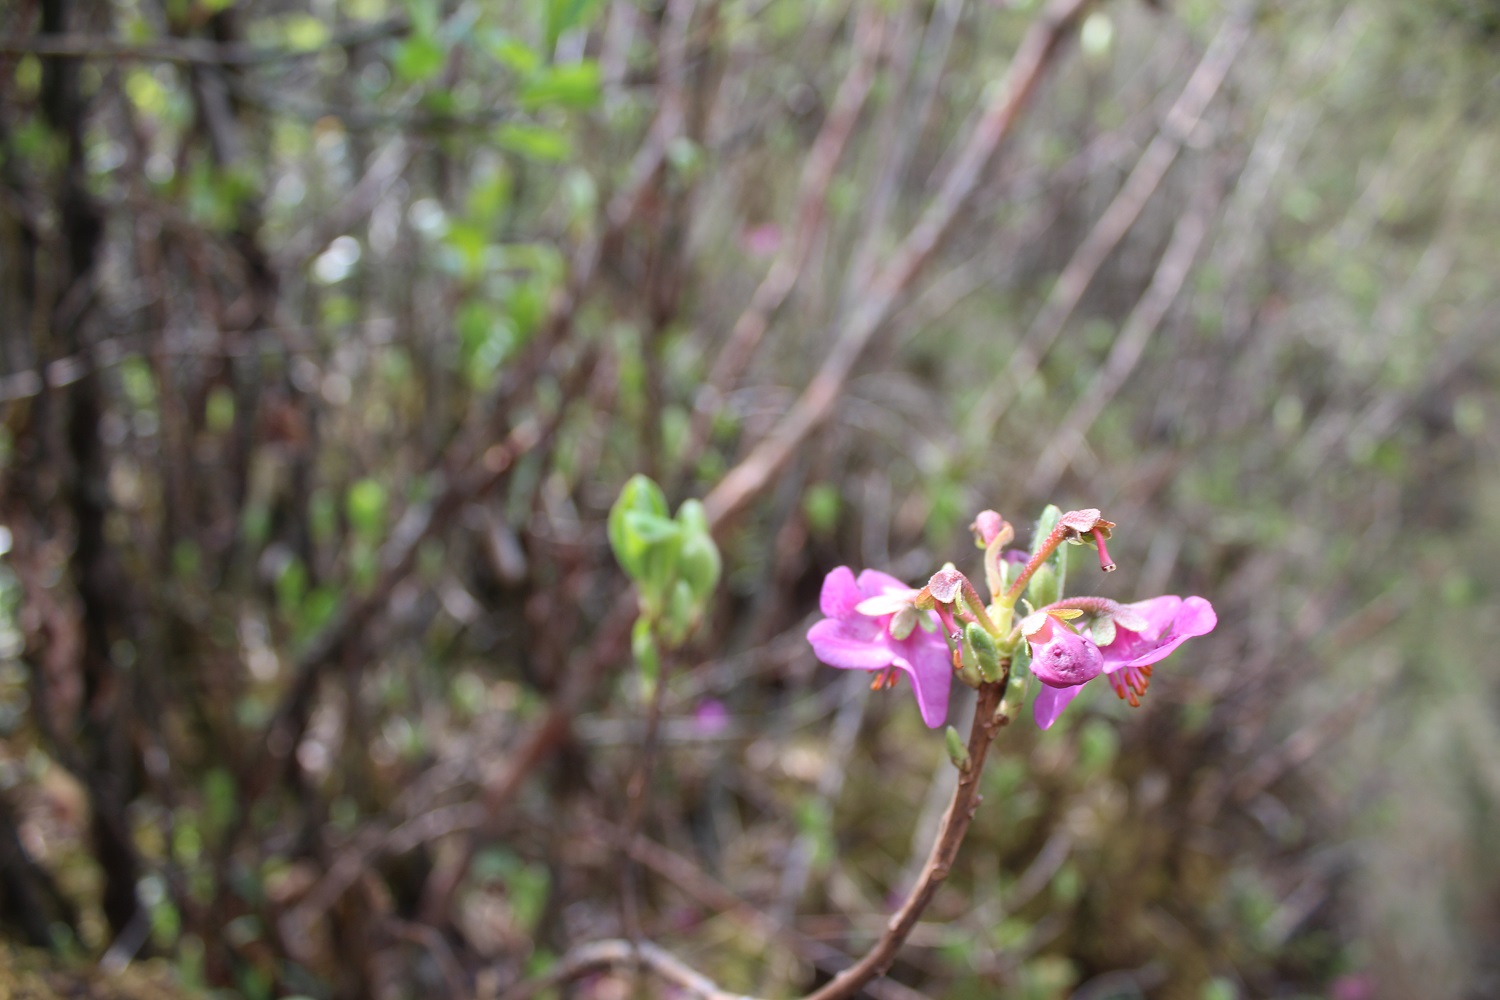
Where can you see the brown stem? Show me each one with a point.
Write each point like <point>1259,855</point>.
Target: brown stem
<point>939,862</point>
<point>988,720</point>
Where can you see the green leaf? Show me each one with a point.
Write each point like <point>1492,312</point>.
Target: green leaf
<point>366,504</point>
<point>698,559</point>
<point>985,651</point>
<point>564,15</point>
<point>513,53</point>
<point>821,505</point>
<point>305,33</point>
<point>533,141</point>
<point>419,58</point>
<point>639,496</point>
<point>575,85</point>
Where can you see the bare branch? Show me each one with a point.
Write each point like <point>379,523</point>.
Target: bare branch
<point>766,459</point>
<point>1116,221</point>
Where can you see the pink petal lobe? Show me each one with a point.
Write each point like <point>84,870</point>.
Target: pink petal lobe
<point>925,658</point>
<point>840,646</point>
<point>1158,612</point>
<point>1049,704</point>
<point>840,593</point>
<point>872,582</point>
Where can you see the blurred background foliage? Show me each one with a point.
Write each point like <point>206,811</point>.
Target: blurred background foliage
<point>332,331</point>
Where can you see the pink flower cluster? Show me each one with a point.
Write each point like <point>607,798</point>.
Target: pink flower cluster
<point>871,624</point>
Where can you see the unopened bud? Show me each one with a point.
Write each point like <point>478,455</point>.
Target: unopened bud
<point>1044,587</point>
<point>957,751</point>
<point>988,526</point>
<point>986,653</point>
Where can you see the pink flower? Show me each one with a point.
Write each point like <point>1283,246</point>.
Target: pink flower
<point>1145,632</point>
<point>857,634</point>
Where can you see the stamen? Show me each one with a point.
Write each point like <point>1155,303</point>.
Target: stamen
<point>1105,562</point>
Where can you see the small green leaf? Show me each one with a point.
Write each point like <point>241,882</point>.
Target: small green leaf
<point>513,53</point>
<point>957,751</point>
<point>419,58</point>
<point>821,505</point>
<point>366,505</point>
<point>986,653</point>
<point>564,15</point>
<point>575,85</point>
<point>639,498</point>
<point>700,564</point>
<point>533,141</point>
<point>1042,589</point>
<point>305,33</point>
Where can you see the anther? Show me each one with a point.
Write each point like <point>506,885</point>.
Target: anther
<point>1105,562</point>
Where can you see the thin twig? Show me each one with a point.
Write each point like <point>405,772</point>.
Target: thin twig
<point>599,955</point>
<point>811,216</point>
<point>1166,284</point>
<point>1117,220</point>
<point>766,459</point>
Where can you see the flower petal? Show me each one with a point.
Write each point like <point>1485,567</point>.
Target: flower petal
<point>1158,613</point>
<point>1049,704</point>
<point>924,657</point>
<point>1190,617</point>
<point>1196,617</point>
<point>873,582</point>
<point>839,645</point>
<point>840,593</point>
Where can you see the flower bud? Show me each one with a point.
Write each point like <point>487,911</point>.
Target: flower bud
<point>957,752</point>
<point>986,653</point>
<point>1044,588</point>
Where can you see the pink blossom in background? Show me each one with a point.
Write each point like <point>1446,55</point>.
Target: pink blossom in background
<point>1353,986</point>
<point>710,718</point>
<point>762,240</point>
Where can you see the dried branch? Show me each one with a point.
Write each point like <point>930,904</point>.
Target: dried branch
<point>1171,274</point>
<point>766,459</point>
<point>1116,221</point>
<point>811,217</point>
<point>599,955</point>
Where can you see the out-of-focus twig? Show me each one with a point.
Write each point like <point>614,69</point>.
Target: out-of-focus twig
<point>709,892</point>
<point>1036,53</point>
<point>1166,284</point>
<point>598,955</point>
<point>1116,221</point>
<point>811,216</point>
